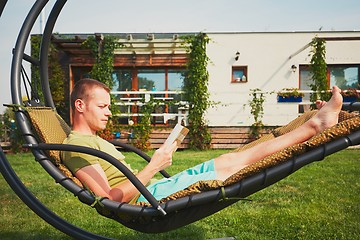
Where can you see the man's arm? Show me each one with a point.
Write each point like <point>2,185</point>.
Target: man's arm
<point>94,176</point>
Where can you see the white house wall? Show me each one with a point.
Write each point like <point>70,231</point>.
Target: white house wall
<point>269,57</point>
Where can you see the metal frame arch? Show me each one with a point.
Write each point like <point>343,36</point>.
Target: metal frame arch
<point>18,53</point>
<point>44,51</point>
<point>15,86</point>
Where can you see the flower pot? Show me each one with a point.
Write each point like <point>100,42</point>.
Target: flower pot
<point>350,99</point>
<point>289,99</point>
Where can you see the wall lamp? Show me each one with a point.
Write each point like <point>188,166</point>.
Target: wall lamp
<point>293,68</point>
<point>237,55</point>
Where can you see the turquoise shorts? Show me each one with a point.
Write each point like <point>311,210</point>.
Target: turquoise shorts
<point>180,181</point>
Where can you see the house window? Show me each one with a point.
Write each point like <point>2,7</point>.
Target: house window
<point>344,76</point>
<point>149,79</point>
<point>122,79</point>
<point>175,80</point>
<point>239,74</point>
<point>305,80</point>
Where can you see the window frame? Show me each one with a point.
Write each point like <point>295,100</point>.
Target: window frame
<point>328,72</point>
<point>135,86</point>
<point>306,67</point>
<point>333,66</point>
<point>244,69</point>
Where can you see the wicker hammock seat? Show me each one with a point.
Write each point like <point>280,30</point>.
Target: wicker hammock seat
<point>200,199</point>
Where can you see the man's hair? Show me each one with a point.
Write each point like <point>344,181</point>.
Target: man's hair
<point>83,88</point>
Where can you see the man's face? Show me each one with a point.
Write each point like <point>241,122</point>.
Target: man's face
<point>97,109</point>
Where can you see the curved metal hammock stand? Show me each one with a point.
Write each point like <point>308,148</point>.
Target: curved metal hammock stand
<point>156,217</point>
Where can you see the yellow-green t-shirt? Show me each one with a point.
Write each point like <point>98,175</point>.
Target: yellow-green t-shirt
<point>74,161</point>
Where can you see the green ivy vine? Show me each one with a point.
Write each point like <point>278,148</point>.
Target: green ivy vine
<point>319,71</point>
<point>256,104</point>
<point>196,91</point>
<point>143,129</point>
<point>56,77</point>
<point>102,49</point>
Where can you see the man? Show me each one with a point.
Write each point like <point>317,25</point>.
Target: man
<point>90,103</point>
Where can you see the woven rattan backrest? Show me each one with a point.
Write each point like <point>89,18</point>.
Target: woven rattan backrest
<point>50,127</point>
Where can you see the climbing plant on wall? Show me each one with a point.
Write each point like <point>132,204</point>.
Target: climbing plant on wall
<point>143,128</point>
<point>102,48</point>
<point>256,104</point>
<point>56,76</point>
<point>318,71</point>
<point>196,90</point>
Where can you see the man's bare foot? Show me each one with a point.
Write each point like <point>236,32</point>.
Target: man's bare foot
<point>329,111</point>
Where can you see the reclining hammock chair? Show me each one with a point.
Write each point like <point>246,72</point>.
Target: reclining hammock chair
<point>44,131</point>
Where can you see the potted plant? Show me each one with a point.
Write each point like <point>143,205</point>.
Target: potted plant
<point>351,95</point>
<point>290,95</point>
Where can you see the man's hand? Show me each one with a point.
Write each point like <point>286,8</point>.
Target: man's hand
<point>162,157</point>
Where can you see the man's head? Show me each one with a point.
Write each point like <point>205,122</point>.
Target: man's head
<point>83,90</point>
<point>90,103</point>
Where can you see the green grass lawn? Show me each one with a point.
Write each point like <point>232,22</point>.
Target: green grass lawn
<point>320,201</point>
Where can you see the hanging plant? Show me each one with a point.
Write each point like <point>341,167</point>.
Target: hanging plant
<point>318,71</point>
<point>196,91</point>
